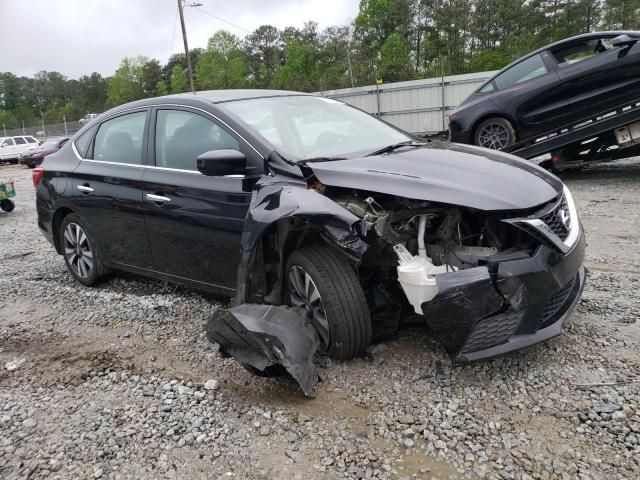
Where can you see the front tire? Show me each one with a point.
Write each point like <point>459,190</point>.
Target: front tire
<point>495,133</point>
<point>80,251</point>
<point>324,283</point>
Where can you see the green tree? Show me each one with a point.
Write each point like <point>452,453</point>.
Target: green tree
<point>395,59</point>
<point>222,64</point>
<point>263,54</point>
<point>126,84</point>
<point>151,75</point>
<point>179,82</point>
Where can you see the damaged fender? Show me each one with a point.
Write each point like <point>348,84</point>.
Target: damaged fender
<point>273,202</point>
<point>264,336</point>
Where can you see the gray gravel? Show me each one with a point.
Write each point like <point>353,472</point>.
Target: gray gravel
<point>119,381</point>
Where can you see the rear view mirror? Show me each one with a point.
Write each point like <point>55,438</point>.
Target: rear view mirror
<point>624,40</point>
<point>217,163</point>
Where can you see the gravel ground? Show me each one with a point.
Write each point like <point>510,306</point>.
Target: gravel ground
<point>119,381</point>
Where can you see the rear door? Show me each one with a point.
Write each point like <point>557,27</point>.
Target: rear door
<point>107,188</point>
<point>194,221</point>
<point>21,146</point>
<point>596,76</point>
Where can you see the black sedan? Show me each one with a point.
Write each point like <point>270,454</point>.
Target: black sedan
<point>326,225</point>
<point>554,86</point>
<point>48,147</point>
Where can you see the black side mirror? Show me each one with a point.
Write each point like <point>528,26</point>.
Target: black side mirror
<point>217,163</point>
<point>624,40</point>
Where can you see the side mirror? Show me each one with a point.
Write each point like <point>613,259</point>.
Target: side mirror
<point>624,40</point>
<point>217,163</point>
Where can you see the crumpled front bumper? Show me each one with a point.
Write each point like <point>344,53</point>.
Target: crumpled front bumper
<point>507,305</point>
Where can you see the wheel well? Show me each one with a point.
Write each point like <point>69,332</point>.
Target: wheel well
<point>487,116</point>
<point>55,226</point>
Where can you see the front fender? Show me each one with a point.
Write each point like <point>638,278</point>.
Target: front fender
<point>273,202</point>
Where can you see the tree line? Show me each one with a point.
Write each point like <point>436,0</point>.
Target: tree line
<point>390,40</point>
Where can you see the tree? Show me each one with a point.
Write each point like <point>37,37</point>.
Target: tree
<point>222,64</point>
<point>151,75</point>
<point>395,59</point>
<point>126,84</point>
<point>179,82</point>
<point>263,54</point>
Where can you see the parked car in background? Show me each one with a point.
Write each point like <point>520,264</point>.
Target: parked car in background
<point>256,194</point>
<point>552,87</point>
<point>12,149</point>
<point>87,118</point>
<point>47,147</point>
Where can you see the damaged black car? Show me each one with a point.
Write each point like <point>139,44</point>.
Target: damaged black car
<point>328,227</point>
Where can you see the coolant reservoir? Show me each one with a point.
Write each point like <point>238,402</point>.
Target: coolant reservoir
<point>417,277</point>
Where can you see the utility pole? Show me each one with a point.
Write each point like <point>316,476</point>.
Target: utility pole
<point>186,46</point>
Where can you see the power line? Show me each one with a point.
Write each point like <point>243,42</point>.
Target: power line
<point>223,20</point>
<point>173,36</point>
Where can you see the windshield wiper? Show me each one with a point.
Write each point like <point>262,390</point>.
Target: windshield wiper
<point>322,159</point>
<point>395,146</point>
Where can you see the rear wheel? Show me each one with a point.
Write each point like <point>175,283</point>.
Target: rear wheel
<point>495,133</point>
<point>323,282</point>
<point>7,205</point>
<point>80,251</point>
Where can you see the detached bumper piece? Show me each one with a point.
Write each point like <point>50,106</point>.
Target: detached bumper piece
<point>487,311</point>
<point>264,336</point>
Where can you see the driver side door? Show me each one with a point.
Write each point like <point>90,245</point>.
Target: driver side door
<point>194,222</point>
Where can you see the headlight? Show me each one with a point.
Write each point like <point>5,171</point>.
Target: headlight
<point>572,214</point>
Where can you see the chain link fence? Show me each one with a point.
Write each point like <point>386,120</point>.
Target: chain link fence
<point>43,131</point>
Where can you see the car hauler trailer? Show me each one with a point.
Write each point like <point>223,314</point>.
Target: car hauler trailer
<point>609,135</point>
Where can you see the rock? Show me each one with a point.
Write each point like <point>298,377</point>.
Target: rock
<point>265,431</point>
<point>211,384</point>
<point>408,442</point>
<point>604,407</point>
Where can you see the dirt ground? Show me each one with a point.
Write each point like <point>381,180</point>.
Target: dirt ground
<point>110,380</point>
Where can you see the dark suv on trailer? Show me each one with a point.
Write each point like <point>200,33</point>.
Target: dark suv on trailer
<point>281,198</point>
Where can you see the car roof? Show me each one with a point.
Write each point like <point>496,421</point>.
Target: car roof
<point>576,38</point>
<point>207,96</point>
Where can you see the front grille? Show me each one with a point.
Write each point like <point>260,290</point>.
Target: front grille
<point>554,304</point>
<point>553,219</point>
<point>492,331</point>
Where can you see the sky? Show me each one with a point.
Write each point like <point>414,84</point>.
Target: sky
<point>78,37</point>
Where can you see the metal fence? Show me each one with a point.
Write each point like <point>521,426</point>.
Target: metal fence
<point>417,106</point>
<point>43,131</point>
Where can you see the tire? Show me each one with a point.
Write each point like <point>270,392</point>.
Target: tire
<point>341,298</point>
<point>7,205</point>
<point>77,264</point>
<point>495,133</point>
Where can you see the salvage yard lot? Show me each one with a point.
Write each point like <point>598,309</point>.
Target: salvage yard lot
<point>112,384</point>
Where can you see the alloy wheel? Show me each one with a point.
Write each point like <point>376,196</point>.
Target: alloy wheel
<point>77,250</point>
<point>494,136</point>
<point>304,293</point>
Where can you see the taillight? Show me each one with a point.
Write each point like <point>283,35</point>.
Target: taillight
<point>453,117</point>
<point>36,175</point>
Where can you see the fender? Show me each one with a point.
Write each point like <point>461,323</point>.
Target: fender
<point>274,201</point>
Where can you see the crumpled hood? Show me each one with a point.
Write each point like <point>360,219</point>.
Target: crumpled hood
<point>449,173</point>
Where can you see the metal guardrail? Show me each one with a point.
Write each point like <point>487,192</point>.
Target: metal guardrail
<point>43,131</point>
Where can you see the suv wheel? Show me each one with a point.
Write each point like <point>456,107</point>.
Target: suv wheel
<point>79,251</point>
<point>324,283</point>
<point>495,133</point>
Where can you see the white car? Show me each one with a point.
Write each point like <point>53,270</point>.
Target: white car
<point>13,149</point>
<point>87,118</point>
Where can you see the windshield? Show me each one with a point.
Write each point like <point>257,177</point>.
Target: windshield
<point>306,127</point>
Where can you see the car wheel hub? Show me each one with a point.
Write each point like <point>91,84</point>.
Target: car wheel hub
<point>304,293</point>
<point>77,250</point>
<point>494,136</point>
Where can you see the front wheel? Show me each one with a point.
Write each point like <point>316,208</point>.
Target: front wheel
<point>7,205</point>
<point>495,133</point>
<point>325,284</point>
<point>80,251</point>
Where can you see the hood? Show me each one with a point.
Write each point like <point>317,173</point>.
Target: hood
<point>449,173</point>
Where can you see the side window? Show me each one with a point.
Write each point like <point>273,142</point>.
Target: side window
<point>578,52</point>
<point>31,140</point>
<point>8,142</point>
<point>181,137</point>
<point>528,69</point>
<point>83,142</point>
<point>120,139</point>
<point>487,88</point>
<point>20,141</point>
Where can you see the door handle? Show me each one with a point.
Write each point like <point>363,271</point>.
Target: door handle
<point>157,198</point>
<point>84,189</point>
